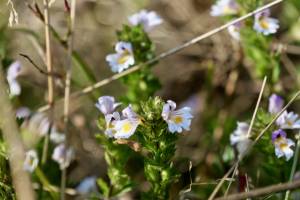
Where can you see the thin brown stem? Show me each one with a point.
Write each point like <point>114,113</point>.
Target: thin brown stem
<point>263,191</point>
<point>68,87</point>
<point>257,106</point>
<point>57,75</point>
<point>50,78</point>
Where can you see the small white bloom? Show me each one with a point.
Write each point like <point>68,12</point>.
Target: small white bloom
<point>111,120</point>
<point>265,24</point>
<point>126,128</point>
<point>12,73</point>
<point>234,31</point>
<point>14,70</point>
<point>23,112</point>
<point>14,88</point>
<point>240,133</point>
<point>57,137</point>
<point>288,121</point>
<point>123,59</point>
<point>87,185</point>
<point>107,104</point>
<point>239,137</point>
<point>282,144</point>
<point>129,113</point>
<point>275,104</point>
<point>224,7</point>
<point>39,123</point>
<point>63,156</point>
<point>148,19</point>
<point>44,126</point>
<point>31,161</point>
<point>177,120</point>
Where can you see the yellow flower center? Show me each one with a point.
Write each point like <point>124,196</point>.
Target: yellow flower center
<point>178,119</point>
<point>31,161</point>
<point>228,10</point>
<point>125,56</point>
<point>283,146</point>
<point>126,127</point>
<point>290,123</point>
<point>264,24</point>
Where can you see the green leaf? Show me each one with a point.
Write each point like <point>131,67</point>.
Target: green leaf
<point>103,187</point>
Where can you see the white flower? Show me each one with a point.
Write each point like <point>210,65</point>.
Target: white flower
<point>265,24</point>
<point>240,133</point>
<point>57,137</point>
<point>126,128</point>
<point>39,123</point>
<point>111,120</point>
<point>234,31</point>
<point>122,127</point>
<point>239,137</point>
<point>106,104</point>
<point>177,120</point>
<point>63,156</point>
<point>23,112</point>
<point>282,144</point>
<point>31,161</point>
<point>148,19</point>
<point>275,104</point>
<point>123,59</point>
<point>224,7</point>
<point>288,121</point>
<point>12,73</point>
<point>87,185</point>
<point>129,113</point>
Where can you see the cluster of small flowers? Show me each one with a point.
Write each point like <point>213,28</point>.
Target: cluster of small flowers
<point>124,57</point>
<point>39,123</point>
<point>287,120</point>
<point>263,23</point>
<point>282,144</point>
<point>123,126</point>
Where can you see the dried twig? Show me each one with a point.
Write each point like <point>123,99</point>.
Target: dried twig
<point>16,152</point>
<point>167,53</point>
<point>50,78</point>
<point>68,86</point>
<point>257,106</point>
<point>57,75</point>
<point>36,11</point>
<point>263,191</point>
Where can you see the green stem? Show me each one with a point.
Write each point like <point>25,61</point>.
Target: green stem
<point>293,170</point>
<point>43,179</point>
